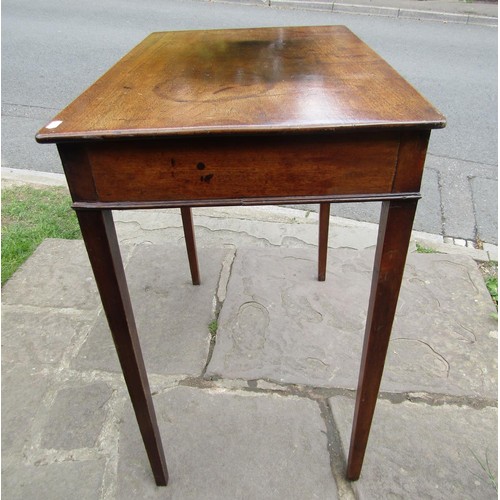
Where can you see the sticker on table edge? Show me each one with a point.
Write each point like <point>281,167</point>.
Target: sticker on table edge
<point>54,124</point>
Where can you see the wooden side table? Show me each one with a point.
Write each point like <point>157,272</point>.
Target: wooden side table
<point>246,117</point>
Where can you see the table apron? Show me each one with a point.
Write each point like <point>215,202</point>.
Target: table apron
<point>212,170</point>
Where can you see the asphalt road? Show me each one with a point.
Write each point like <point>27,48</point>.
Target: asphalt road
<point>53,51</point>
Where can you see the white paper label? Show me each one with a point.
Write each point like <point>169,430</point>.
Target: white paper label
<point>54,124</point>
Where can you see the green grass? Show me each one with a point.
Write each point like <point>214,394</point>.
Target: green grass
<point>29,215</point>
<point>423,249</point>
<point>492,286</point>
<point>489,270</point>
<point>485,465</point>
<point>212,328</point>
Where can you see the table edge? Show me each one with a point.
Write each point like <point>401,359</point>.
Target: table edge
<point>107,135</point>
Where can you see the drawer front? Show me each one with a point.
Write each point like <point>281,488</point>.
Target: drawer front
<point>239,168</point>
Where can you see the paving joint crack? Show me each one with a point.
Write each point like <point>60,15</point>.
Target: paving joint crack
<point>471,192</point>
<point>324,393</point>
<point>109,440</point>
<point>492,165</point>
<point>337,459</point>
<point>441,202</point>
<point>219,297</point>
<point>435,399</point>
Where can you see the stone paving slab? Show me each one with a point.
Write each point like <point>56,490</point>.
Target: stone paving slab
<point>81,412</point>
<point>221,227</point>
<point>220,444</point>
<point>444,330</point>
<point>279,323</point>
<point>242,226</point>
<point>58,275</point>
<point>23,388</point>
<point>56,330</point>
<point>172,315</point>
<point>422,451</point>
<point>64,435</point>
<point>62,481</point>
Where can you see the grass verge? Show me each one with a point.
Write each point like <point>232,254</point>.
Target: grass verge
<point>489,270</point>
<point>29,215</point>
<point>492,286</point>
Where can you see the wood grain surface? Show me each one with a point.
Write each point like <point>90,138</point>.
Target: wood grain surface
<point>244,81</point>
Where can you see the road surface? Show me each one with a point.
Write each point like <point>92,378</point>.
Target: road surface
<point>53,51</point>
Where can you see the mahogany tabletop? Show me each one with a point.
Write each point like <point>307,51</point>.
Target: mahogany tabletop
<point>244,81</point>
